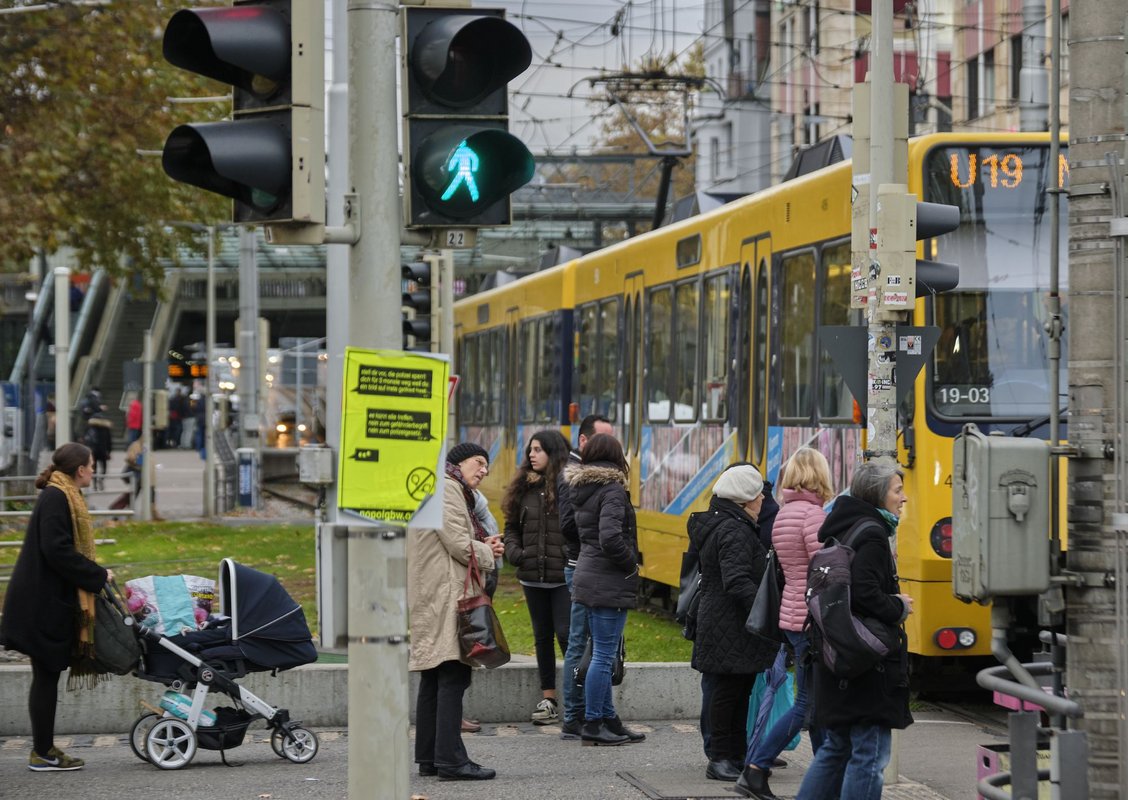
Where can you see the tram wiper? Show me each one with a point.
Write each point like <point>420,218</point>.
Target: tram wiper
<point>1026,428</point>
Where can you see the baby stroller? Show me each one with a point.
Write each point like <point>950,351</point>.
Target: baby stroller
<point>260,629</point>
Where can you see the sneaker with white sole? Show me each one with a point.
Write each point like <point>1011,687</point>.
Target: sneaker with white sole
<point>545,712</point>
<point>55,761</point>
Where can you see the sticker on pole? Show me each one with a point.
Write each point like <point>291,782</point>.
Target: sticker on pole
<point>393,426</point>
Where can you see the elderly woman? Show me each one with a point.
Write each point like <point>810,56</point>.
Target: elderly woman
<point>437,564</point>
<point>857,716</point>
<point>732,559</point>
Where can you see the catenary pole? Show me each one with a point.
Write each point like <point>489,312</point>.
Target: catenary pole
<point>62,355</point>
<point>209,349</point>
<point>377,554</point>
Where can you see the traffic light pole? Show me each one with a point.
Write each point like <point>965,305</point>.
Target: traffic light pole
<point>377,554</point>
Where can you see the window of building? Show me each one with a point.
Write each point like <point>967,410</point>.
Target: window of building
<point>685,337</point>
<point>659,333</point>
<point>973,88</point>
<point>797,335</point>
<point>989,81</point>
<point>714,157</point>
<point>1015,67</point>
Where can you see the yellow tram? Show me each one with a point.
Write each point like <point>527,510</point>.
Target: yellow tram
<point>700,341</point>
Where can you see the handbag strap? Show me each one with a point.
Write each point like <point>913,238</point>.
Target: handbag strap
<point>472,571</point>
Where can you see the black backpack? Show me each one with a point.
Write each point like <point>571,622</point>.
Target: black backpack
<point>848,645</point>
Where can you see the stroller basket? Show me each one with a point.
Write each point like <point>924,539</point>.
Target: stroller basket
<point>229,729</point>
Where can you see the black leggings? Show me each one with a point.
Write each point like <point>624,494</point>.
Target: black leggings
<point>550,611</point>
<point>41,704</point>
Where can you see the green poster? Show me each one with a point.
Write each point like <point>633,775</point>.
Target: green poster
<point>393,425</point>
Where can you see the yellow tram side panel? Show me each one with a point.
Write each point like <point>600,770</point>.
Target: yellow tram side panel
<point>532,296</point>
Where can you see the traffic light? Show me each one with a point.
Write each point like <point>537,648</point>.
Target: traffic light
<point>901,223</point>
<point>460,161</point>
<point>270,158</point>
<point>420,305</point>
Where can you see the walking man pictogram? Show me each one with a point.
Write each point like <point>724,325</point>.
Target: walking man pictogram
<point>465,161</point>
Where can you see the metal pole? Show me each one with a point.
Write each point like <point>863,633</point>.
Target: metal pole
<point>62,353</point>
<point>298,393</point>
<point>146,476</point>
<point>32,457</point>
<point>209,349</point>
<point>249,369</point>
<point>377,555</point>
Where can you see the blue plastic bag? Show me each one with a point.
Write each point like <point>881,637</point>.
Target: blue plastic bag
<point>772,696</point>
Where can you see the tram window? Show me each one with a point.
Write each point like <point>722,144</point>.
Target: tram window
<point>548,391</point>
<point>527,359</point>
<point>835,400</point>
<point>473,378</point>
<point>715,346</point>
<point>492,377</point>
<point>609,344</point>
<point>685,371</point>
<point>659,330</point>
<point>587,365</point>
<point>760,364</point>
<point>797,334</point>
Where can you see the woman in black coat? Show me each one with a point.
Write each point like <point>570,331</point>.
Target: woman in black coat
<point>732,562</point>
<point>858,715</point>
<point>49,605</point>
<point>535,545</point>
<point>606,577</point>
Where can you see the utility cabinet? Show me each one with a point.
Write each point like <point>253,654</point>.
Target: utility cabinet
<point>1000,515</point>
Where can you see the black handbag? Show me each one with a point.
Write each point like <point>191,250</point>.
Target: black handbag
<point>116,647</point>
<point>618,666</point>
<point>763,619</point>
<point>480,637</point>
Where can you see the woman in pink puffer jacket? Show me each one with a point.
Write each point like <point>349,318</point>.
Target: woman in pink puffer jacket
<point>806,487</point>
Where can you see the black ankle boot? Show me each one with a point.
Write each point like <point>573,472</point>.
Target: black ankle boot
<point>616,726</point>
<point>595,732</point>
<point>754,783</point>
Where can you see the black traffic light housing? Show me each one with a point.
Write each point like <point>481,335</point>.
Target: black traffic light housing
<point>934,277</point>
<point>420,301</point>
<point>460,162</point>
<point>270,159</point>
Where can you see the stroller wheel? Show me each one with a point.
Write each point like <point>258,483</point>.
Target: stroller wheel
<point>171,743</point>
<point>140,732</point>
<point>298,745</point>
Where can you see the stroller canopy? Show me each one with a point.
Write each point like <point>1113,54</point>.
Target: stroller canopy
<point>266,624</point>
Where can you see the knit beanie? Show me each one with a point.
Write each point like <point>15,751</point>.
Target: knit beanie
<point>740,484</point>
<point>461,452</point>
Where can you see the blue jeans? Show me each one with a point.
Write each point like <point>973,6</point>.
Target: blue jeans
<point>765,751</point>
<point>607,626</point>
<point>577,640</point>
<point>850,764</point>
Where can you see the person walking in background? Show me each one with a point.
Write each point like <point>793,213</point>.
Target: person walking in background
<point>578,633</point>
<point>133,420</point>
<point>806,487</point>
<point>732,559</point>
<point>99,437</point>
<point>49,605</point>
<point>177,411</point>
<point>857,716</point>
<point>606,579</point>
<point>535,546</point>
<point>437,563</point>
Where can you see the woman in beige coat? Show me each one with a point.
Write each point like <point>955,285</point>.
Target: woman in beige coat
<point>437,564</point>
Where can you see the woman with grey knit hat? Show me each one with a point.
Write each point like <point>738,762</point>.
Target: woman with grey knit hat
<point>732,560</point>
<point>437,564</point>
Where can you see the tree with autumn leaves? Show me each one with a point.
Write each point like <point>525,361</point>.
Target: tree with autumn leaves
<point>85,107</point>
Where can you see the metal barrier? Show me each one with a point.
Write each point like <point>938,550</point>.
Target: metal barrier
<point>6,498</point>
<point>1069,749</point>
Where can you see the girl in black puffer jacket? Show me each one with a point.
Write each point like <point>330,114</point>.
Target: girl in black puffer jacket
<point>534,544</point>
<point>606,577</point>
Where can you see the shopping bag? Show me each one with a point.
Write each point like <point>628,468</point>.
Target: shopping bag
<point>772,696</point>
<point>116,648</point>
<point>480,637</point>
<point>763,619</point>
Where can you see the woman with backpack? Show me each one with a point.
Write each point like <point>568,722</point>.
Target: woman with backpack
<point>857,715</point>
<point>732,562</point>
<point>535,546</point>
<point>806,487</point>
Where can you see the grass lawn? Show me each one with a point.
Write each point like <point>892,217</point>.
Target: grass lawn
<point>287,551</point>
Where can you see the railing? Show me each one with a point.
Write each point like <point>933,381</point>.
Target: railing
<point>1069,749</point>
<point>29,480</point>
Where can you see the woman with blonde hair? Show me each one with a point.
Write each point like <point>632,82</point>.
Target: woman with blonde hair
<point>806,487</point>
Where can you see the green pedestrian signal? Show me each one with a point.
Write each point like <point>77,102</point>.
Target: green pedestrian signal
<point>461,164</point>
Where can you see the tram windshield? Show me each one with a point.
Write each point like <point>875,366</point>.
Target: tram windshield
<point>993,353</point>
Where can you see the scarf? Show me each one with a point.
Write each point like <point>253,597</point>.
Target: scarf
<point>81,671</point>
<point>455,473</point>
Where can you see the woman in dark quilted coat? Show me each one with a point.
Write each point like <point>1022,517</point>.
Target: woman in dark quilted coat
<point>606,577</point>
<point>535,545</point>
<point>732,562</point>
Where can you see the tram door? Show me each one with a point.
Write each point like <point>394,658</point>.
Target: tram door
<point>631,380</point>
<point>752,321</point>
